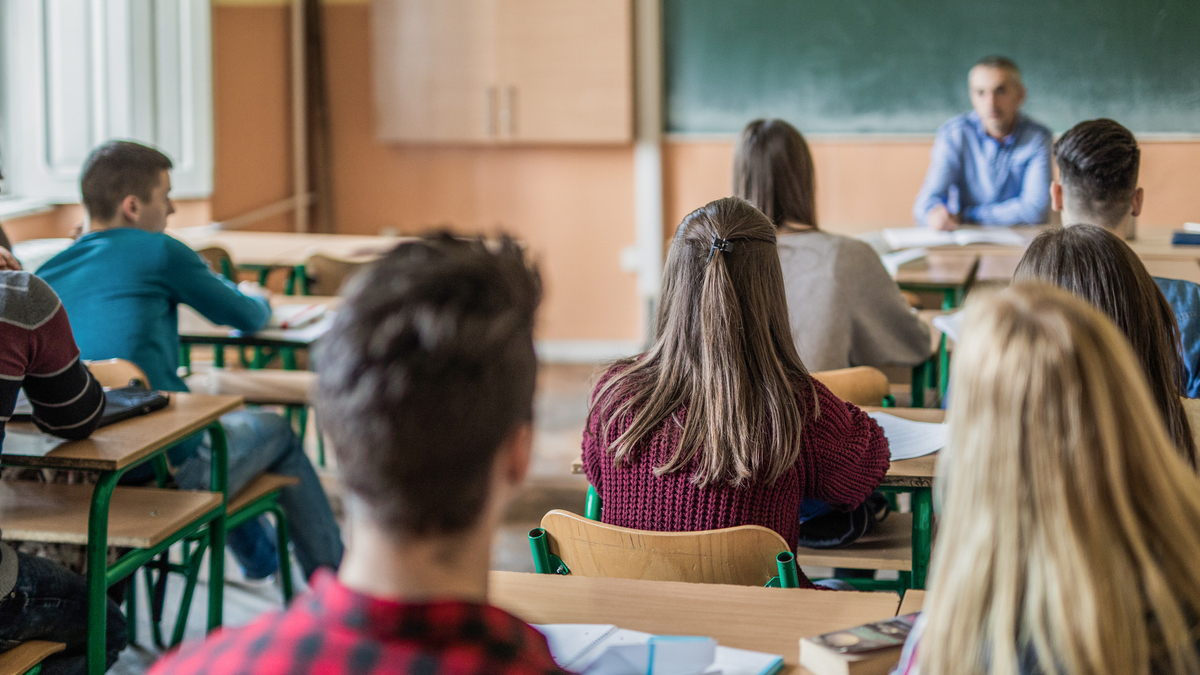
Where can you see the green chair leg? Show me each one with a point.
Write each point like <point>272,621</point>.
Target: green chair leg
<point>131,610</point>
<point>789,576</point>
<point>285,558</point>
<point>922,540</point>
<point>920,374</point>
<point>592,507</point>
<point>544,562</point>
<point>320,440</point>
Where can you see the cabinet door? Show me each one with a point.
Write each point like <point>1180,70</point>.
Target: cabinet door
<point>565,70</point>
<point>433,70</point>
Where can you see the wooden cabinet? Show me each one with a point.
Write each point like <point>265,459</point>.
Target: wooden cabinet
<point>503,71</point>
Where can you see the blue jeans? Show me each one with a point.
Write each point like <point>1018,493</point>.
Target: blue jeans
<point>263,442</point>
<point>49,602</point>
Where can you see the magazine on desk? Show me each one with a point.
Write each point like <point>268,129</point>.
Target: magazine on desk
<point>604,649</point>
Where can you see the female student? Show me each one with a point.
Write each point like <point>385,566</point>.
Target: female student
<point>719,423</point>
<point>1095,265</point>
<point>1070,526</point>
<point>844,308</point>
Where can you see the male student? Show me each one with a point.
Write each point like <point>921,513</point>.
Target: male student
<point>121,283</point>
<point>40,599</point>
<point>990,166</point>
<point>1098,163</point>
<point>426,381</point>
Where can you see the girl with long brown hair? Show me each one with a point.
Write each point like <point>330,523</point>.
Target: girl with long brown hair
<point>1096,265</point>
<point>719,423</point>
<point>1070,525</point>
<point>844,308</point>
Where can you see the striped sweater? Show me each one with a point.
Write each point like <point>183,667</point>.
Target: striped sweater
<point>843,458</point>
<point>38,352</point>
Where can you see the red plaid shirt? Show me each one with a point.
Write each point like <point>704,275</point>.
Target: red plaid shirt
<point>334,630</point>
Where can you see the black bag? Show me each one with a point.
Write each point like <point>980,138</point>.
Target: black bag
<point>830,528</point>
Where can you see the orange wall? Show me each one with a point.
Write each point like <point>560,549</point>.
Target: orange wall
<point>865,185</point>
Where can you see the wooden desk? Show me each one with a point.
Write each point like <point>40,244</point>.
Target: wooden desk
<point>111,451</point>
<point>762,619</point>
<point>950,272</point>
<point>912,602</point>
<point>997,267</point>
<point>285,249</point>
<point>195,329</point>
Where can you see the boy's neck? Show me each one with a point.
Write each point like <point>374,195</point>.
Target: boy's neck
<point>417,570</point>
<point>1120,228</point>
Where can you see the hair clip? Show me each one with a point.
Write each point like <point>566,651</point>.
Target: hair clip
<point>718,244</point>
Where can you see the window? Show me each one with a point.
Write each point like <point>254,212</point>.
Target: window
<point>75,73</point>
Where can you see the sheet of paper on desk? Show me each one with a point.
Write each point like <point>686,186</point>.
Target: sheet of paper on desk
<point>908,439</point>
<point>893,261</point>
<point>949,324</point>
<point>923,237</point>
<point>602,649</point>
<point>27,444</point>
<point>296,316</point>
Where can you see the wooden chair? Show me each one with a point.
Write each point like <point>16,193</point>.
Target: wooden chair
<point>749,555</point>
<point>325,275</point>
<point>26,658</point>
<point>861,386</point>
<point>219,261</point>
<point>113,373</point>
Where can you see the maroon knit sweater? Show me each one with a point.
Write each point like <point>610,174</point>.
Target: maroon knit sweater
<point>843,458</point>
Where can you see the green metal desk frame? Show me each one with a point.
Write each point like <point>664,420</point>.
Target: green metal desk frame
<point>100,575</point>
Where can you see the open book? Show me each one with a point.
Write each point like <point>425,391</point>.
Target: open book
<point>602,649</point>
<point>923,237</point>
<point>908,439</point>
<point>289,317</point>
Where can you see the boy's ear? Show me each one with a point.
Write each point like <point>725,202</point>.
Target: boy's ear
<point>1056,196</point>
<point>1139,196</point>
<point>131,208</point>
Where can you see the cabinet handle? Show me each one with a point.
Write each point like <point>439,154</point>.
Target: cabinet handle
<point>510,110</point>
<point>491,124</point>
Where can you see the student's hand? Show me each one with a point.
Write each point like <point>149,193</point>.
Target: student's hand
<point>8,261</point>
<point>941,219</point>
<point>252,289</point>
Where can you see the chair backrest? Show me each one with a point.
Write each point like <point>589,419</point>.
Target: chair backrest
<point>863,385</point>
<point>327,275</point>
<point>218,260</point>
<point>742,556</point>
<point>113,373</point>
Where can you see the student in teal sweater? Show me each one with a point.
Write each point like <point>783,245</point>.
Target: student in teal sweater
<point>121,284</point>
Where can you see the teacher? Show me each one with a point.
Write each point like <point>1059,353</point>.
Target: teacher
<point>990,166</point>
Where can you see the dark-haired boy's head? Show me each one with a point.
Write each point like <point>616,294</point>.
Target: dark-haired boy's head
<point>427,378</point>
<point>1098,174</point>
<point>127,183</point>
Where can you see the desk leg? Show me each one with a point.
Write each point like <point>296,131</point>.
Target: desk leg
<point>943,369</point>
<point>922,536</point>
<point>920,374</point>
<point>97,571</point>
<point>216,529</point>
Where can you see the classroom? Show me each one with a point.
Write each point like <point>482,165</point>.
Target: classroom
<point>599,336</point>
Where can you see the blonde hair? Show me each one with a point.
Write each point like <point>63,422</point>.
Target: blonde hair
<point>724,349</point>
<point>1069,532</point>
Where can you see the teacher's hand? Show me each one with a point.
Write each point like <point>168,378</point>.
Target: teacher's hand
<point>940,218</point>
<point>8,261</point>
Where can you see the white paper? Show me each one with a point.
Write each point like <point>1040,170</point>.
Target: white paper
<point>1187,227</point>
<point>730,661</point>
<point>570,641</point>
<point>949,324</point>
<point>908,439</point>
<point>602,649</point>
<point>893,261</point>
<point>923,237</point>
<point>25,444</point>
<point>659,655</point>
<point>296,316</point>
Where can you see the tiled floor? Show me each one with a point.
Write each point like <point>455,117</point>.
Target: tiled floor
<point>561,409</point>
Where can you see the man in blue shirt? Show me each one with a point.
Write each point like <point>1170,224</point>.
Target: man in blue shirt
<point>990,166</point>
<point>1098,163</point>
<point>121,284</point>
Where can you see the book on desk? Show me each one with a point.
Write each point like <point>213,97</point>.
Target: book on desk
<point>604,649</point>
<point>870,649</point>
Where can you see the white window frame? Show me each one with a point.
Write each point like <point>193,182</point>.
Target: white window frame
<point>76,73</point>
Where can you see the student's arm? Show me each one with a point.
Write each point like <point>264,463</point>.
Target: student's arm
<point>884,330</point>
<point>1027,208</point>
<point>67,401</point>
<point>216,298</point>
<point>945,167</point>
<point>843,453</point>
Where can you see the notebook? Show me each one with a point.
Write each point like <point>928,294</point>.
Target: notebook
<point>908,439</point>
<point>603,649</point>
<point>870,649</point>
<point>923,237</point>
<point>893,261</point>
<point>120,404</point>
<point>288,317</point>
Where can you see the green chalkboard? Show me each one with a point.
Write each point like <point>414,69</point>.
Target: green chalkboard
<point>900,66</point>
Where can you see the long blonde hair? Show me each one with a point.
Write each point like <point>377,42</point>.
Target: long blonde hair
<point>724,349</point>
<point>1071,527</point>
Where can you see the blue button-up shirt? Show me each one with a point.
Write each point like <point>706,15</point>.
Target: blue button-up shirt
<point>1184,298</point>
<point>987,181</point>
